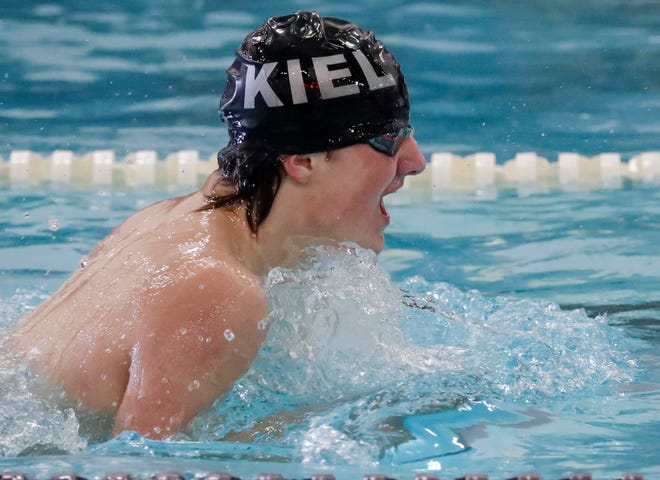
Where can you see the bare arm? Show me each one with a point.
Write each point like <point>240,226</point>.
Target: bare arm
<point>192,345</point>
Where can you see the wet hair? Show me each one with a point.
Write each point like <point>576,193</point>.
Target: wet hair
<point>252,174</point>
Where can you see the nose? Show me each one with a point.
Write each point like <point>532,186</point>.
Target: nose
<point>410,158</point>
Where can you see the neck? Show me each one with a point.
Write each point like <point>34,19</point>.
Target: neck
<point>285,234</point>
<point>281,246</point>
<point>274,244</point>
<point>282,237</point>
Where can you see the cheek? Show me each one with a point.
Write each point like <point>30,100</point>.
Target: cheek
<point>376,181</point>
<point>357,186</point>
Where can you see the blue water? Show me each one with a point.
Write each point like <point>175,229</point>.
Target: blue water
<point>497,336</point>
<point>506,76</point>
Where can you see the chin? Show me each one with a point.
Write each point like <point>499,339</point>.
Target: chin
<point>373,244</point>
<point>378,247</point>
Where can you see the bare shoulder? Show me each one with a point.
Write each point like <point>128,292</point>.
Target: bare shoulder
<point>213,297</point>
<point>198,334</point>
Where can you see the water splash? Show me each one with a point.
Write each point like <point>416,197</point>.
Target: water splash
<point>334,328</point>
<point>356,369</point>
<point>17,305</point>
<point>36,418</point>
<point>30,423</point>
<point>517,350</point>
<point>353,357</point>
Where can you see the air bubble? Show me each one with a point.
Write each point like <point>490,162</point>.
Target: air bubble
<point>194,385</point>
<point>84,261</point>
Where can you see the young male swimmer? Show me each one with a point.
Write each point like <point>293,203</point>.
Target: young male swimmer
<point>164,317</point>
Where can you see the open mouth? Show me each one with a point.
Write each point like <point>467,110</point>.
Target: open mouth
<point>396,184</point>
<point>383,210</point>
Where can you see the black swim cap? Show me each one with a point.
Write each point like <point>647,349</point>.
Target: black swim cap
<point>303,83</point>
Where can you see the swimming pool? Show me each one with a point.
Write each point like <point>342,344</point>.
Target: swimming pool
<point>485,371</point>
<point>491,357</point>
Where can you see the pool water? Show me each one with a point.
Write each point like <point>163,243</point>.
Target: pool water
<point>501,335</point>
<point>502,77</point>
<point>497,336</point>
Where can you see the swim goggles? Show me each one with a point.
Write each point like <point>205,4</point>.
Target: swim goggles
<point>390,143</point>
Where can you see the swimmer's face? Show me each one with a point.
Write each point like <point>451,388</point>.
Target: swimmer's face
<point>353,187</point>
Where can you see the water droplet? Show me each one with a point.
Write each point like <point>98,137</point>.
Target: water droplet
<point>156,430</point>
<point>263,324</point>
<point>183,331</point>
<point>208,339</point>
<point>84,261</point>
<point>229,335</point>
<point>194,385</point>
<point>53,224</point>
<point>164,380</point>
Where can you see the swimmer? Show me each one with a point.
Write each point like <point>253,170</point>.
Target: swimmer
<point>164,315</point>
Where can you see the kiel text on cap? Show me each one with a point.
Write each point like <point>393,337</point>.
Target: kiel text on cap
<point>257,83</point>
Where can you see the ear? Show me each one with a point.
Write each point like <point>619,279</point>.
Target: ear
<point>300,167</point>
